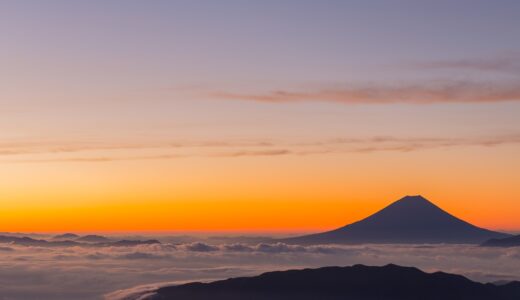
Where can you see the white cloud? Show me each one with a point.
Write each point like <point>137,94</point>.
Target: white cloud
<point>90,272</point>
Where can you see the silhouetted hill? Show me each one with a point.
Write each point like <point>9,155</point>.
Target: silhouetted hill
<point>66,236</point>
<point>27,241</point>
<point>513,241</point>
<point>412,219</point>
<point>253,240</point>
<point>93,239</point>
<point>129,243</point>
<point>358,282</point>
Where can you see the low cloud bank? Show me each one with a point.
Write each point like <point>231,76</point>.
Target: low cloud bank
<point>29,272</point>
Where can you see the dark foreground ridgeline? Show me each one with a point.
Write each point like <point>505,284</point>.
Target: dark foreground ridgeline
<point>412,219</point>
<point>358,282</point>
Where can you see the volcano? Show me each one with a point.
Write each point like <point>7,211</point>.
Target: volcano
<point>412,219</point>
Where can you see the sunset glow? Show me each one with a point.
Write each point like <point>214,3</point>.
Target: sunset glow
<point>109,124</point>
<point>259,149</point>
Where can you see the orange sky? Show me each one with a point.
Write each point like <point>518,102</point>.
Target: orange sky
<point>267,193</point>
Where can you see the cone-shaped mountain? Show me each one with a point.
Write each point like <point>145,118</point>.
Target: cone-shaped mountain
<point>412,219</point>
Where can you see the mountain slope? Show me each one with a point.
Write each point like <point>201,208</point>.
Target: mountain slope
<point>412,219</point>
<point>513,241</point>
<point>358,282</point>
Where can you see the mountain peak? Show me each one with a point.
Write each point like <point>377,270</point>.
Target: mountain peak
<point>411,205</point>
<point>411,219</point>
<point>414,198</point>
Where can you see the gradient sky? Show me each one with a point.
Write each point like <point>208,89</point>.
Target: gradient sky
<point>255,115</point>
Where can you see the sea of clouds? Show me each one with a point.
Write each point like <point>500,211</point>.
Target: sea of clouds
<point>117,273</point>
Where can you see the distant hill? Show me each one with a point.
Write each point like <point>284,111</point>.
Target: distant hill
<point>129,243</point>
<point>66,236</point>
<point>27,241</point>
<point>358,282</point>
<point>513,241</point>
<point>87,241</point>
<point>93,239</point>
<point>412,219</point>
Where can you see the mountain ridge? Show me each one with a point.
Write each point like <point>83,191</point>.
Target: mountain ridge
<point>390,282</point>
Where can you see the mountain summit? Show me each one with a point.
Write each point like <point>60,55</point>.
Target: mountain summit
<point>412,219</point>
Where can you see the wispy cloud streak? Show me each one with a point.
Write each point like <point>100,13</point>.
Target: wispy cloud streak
<point>237,149</point>
<point>427,93</point>
<point>508,63</point>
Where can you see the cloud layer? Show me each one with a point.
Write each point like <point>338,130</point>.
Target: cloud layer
<point>453,89</point>
<point>66,151</point>
<point>28,272</point>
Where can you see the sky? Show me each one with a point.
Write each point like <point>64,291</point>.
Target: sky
<point>255,116</point>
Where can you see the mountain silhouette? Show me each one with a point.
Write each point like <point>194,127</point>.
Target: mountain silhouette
<point>66,236</point>
<point>90,242</point>
<point>412,219</point>
<point>27,241</point>
<point>513,241</point>
<point>129,243</point>
<point>358,282</point>
<point>92,238</point>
